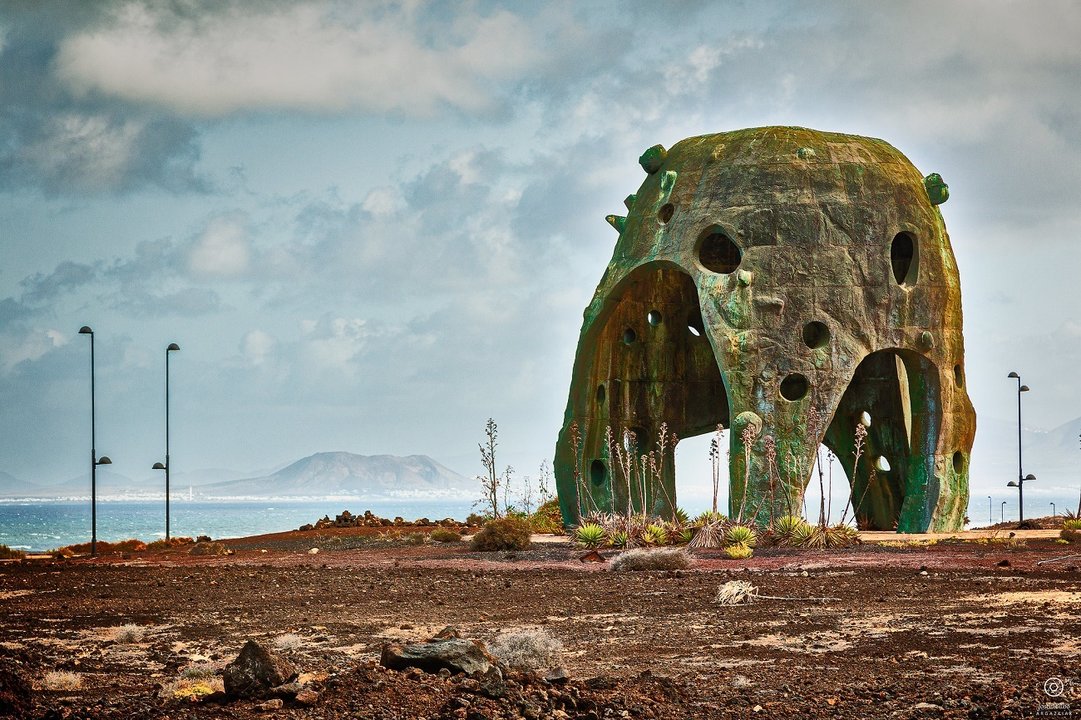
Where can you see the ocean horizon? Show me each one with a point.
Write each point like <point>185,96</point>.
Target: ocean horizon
<point>38,525</point>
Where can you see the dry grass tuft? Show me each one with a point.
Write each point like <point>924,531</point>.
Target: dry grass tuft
<point>201,670</point>
<point>646,559</point>
<point>507,533</point>
<point>527,649</point>
<point>289,641</point>
<point>735,592</point>
<point>129,634</point>
<point>61,681</point>
<point>7,553</point>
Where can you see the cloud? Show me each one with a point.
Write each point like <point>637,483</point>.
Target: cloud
<point>313,57</point>
<point>224,248</point>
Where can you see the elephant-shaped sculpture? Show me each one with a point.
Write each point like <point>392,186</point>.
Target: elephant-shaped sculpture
<point>797,287</point>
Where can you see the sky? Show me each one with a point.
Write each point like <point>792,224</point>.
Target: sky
<point>372,226</point>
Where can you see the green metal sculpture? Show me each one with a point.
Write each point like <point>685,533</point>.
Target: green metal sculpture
<point>799,288</point>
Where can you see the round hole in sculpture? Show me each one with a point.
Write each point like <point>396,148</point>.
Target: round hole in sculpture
<point>904,258</point>
<point>794,387</point>
<point>718,253</point>
<point>598,473</point>
<point>958,376</point>
<point>600,394</point>
<point>958,461</point>
<point>816,335</point>
<point>882,464</point>
<point>654,318</point>
<point>665,213</point>
<point>629,336</point>
<point>865,419</point>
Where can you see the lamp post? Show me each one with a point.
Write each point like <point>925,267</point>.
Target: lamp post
<point>173,347</point>
<point>94,461</point>
<point>1020,473</point>
<point>1054,513</point>
<point>1020,485</point>
<point>990,520</point>
<point>1002,512</point>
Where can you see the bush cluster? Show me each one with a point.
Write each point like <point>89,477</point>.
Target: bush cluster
<point>508,533</point>
<point>638,559</point>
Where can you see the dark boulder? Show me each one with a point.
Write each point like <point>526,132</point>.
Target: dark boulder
<point>255,671</point>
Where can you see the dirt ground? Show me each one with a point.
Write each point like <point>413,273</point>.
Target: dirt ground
<point>952,630</point>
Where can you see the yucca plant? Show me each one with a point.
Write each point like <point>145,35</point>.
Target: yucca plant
<point>709,535</point>
<point>681,516</point>
<point>619,539</point>
<point>784,528</point>
<point>684,536</point>
<point>741,535</point>
<point>808,536</point>
<point>840,536</point>
<point>738,551</point>
<point>654,535</point>
<point>590,535</point>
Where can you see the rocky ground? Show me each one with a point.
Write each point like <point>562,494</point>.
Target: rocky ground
<point>950,630</point>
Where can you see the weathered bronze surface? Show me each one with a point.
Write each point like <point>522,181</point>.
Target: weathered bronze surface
<point>766,278</point>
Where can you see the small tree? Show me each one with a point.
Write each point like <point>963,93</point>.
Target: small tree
<point>490,482</point>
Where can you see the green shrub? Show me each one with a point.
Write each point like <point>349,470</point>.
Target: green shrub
<point>619,539</point>
<point>784,528</point>
<point>808,536</point>
<point>417,538</point>
<point>682,517</point>
<point>590,534</point>
<point>684,536</point>
<point>738,551</point>
<point>840,536</point>
<point>741,535</point>
<point>1070,535</point>
<point>7,553</point>
<point>475,520</point>
<point>445,535</point>
<point>502,534</point>
<point>1071,524</point>
<point>654,535</point>
<point>548,518</point>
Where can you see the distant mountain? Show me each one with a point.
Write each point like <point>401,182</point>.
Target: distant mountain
<point>342,473</point>
<point>11,486</point>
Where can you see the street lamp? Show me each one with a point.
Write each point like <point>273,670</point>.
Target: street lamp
<point>94,461</point>
<point>1054,513</point>
<point>1020,473</point>
<point>990,520</point>
<point>1002,513</point>
<point>173,347</point>
<point>1020,485</point>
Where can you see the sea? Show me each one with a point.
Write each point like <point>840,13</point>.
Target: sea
<point>38,526</point>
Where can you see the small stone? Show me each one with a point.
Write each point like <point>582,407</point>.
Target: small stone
<point>307,696</point>
<point>272,704</point>
<point>313,551</point>
<point>557,676</point>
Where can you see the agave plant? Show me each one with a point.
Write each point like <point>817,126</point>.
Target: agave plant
<point>681,516</point>
<point>784,528</point>
<point>590,534</point>
<point>738,551</point>
<point>1071,524</point>
<point>709,517</point>
<point>741,535</point>
<point>655,535</point>
<point>840,536</point>
<point>808,536</point>
<point>619,539</point>
<point>685,535</point>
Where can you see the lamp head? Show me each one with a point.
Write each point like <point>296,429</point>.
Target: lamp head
<point>172,347</point>
<point>1011,483</point>
<point>1030,476</point>
<point>1024,388</point>
<point>85,330</point>
<point>1014,375</point>
<point>158,466</point>
<point>104,460</point>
